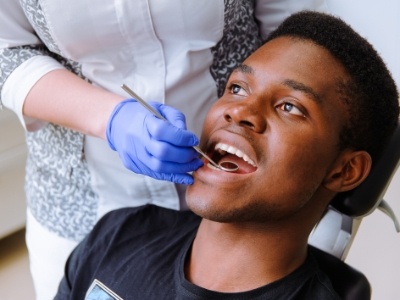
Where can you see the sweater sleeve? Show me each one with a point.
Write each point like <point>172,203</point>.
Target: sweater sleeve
<point>270,13</point>
<point>24,59</point>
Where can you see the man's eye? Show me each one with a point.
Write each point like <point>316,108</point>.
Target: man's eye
<point>290,108</point>
<point>237,90</point>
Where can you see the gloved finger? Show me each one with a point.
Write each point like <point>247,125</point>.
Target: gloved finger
<point>177,119</point>
<point>164,131</point>
<point>174,116</point>
<point>160,166</point>
<point>177,178</point>
<point>165,151</point>
<point>181,178</point>
<point>155,154</point>
<point>164,171</point>
<point>141,155</point>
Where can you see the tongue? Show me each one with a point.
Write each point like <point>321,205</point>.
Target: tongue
<point>244,167</point>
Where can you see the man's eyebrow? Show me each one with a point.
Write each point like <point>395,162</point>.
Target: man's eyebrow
<point>303,88</point>
<point>243,68</point>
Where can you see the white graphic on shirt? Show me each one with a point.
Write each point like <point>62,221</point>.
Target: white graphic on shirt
<point>98,291</point>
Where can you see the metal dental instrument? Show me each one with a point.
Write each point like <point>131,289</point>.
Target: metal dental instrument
<point>229,166</point>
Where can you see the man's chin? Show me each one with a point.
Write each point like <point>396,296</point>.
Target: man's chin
<point>198,202</point>
<point>207,209</point>
<point>194,201</point>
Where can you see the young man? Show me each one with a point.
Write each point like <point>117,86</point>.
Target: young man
<point>304,117</point>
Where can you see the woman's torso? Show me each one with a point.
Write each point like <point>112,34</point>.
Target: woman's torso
<point>175,52</point>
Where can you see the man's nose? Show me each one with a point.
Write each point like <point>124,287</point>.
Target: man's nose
<point>246,114</point>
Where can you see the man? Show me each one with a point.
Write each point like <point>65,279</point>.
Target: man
<point>304,117</point>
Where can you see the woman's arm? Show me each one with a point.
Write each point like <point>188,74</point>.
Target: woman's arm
<point>35,83</point>
<point>63,98</point>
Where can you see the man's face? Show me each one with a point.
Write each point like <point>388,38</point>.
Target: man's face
<point>281,113</point>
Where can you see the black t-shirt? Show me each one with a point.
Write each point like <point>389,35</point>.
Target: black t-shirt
<point>139,253</point>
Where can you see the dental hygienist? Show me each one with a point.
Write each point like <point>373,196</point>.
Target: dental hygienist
<point>62,66</point>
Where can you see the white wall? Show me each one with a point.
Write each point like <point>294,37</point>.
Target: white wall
<point>12,172</point>
<point>376,249</point>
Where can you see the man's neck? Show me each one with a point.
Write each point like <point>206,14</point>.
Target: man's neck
<point>229,258</point>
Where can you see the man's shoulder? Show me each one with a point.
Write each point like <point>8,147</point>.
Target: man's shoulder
<point>142,214</point>
<point>127,243</point>
<point>123,233</point>
<point>144,219</point>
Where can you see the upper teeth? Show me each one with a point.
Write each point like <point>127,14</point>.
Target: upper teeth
<point>222,148</point>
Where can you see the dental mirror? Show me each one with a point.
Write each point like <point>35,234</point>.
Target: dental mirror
<point>226,166</point>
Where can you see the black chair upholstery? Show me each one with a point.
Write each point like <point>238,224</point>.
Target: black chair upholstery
<point>349,283</point>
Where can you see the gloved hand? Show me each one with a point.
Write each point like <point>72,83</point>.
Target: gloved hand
<point>150,146</point>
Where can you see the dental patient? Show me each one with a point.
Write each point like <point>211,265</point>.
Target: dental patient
<point>304,117</point>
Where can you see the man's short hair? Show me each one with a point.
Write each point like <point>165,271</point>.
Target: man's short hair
<point>371,96</point>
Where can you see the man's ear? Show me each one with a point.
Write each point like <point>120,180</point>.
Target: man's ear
<point>349,170</point>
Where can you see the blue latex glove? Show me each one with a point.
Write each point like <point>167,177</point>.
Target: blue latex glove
<point>150,146</point>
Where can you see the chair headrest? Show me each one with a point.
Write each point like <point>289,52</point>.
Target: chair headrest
<point>366,197</point>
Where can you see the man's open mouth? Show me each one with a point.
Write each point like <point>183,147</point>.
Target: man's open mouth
<point>223,152</point>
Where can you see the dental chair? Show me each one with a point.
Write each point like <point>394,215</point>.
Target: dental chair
<point>331,239</point>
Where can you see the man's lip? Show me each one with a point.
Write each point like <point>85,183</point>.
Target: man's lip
<point>223,179</point>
